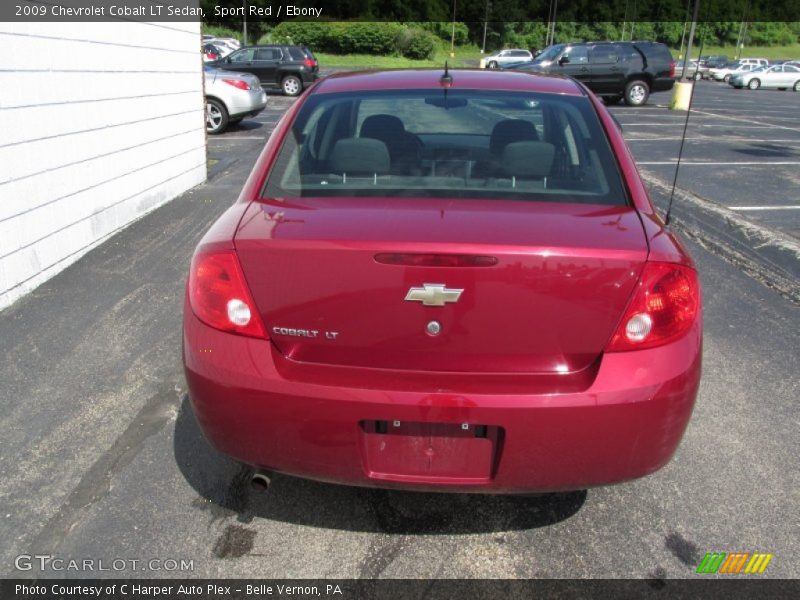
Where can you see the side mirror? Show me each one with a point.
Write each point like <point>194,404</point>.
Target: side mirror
<point>563,60</point>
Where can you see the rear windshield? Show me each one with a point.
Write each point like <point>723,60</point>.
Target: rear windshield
<point>463,144</point>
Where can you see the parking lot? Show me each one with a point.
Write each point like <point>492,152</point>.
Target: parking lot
<point>742,149</point>
<point>109,461</point>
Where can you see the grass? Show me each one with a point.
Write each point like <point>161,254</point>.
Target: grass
<point>465,56</point>
<point>769,52</point>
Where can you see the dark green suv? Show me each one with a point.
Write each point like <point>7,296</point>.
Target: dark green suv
<point>290,68</point>
<point>613,70</point>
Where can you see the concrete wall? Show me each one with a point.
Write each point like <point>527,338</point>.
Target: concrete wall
<point>100,123</point>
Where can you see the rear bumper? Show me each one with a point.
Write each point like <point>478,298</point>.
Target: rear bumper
<point>663,84</point>
<point>626,424</point>
<point>249,104</point>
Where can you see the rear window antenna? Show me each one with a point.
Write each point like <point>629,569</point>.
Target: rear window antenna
<point>686,60</point>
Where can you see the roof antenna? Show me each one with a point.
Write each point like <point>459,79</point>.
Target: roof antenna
<point>447,79</point>
<point>686,59</point>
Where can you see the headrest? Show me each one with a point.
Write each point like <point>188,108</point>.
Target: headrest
<point>360,156</point>
<point>528,160</point>
<point>511,130</point>
<point>381,126</point>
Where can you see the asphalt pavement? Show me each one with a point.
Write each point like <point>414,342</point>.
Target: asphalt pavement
<point>102,457</point>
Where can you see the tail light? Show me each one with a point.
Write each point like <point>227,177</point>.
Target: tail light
<point>237,83</point>
<point>211,56</point>
<point>219,296</point>
<point>672,69</point>
<point>665,304</point>
<point>310,62</point>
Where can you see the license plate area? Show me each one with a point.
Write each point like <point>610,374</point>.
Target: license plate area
<point>410,451</point>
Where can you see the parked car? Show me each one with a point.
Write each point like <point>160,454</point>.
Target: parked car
<point>780,77</point>
<point>725,73</point>
<point>211,53</point>
<point>532,325</point>
<point>613,70</point>
<point>224,46</point>
<point>230,97</point>
<point>290,68</point>
<point>506,57</point>
<point>693,69</point>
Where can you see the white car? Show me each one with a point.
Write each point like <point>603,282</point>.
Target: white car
<point>505,57</point>
<point>230,97</point>
<point>781,77</point>
<point>725,73</point>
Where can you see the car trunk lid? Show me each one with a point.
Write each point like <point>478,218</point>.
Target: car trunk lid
<point>359,281</point>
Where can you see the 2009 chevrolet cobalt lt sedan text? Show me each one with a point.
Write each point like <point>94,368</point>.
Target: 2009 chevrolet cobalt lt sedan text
<point>444,281</point>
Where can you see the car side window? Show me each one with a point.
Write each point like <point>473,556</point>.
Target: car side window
<point>268,54</point>
<point>578,54</point>
<point>242,56</point>
<point>604,55</point>
<point>790,69</point>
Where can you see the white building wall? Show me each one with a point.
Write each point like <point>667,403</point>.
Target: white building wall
<point>100,123</point>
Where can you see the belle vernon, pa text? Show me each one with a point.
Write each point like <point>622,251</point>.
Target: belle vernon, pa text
<point>135,589</point>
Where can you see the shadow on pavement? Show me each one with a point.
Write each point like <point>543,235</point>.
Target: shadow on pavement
<point>223,488</point>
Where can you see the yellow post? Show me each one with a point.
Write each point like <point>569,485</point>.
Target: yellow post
<point>680,95</point>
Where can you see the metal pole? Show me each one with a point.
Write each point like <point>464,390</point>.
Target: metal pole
<point>485,23</point>
<point>244,21</point>
<point>691,38</point>
<point>555,11</point>
<point>453,36</point>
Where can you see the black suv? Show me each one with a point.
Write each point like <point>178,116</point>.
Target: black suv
<point>290,68</point>
<point>613,70</point>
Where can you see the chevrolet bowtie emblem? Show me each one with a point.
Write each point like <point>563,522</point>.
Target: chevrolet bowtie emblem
<point>433,294</point>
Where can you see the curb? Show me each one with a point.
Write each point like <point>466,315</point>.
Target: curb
<point>767,256</point>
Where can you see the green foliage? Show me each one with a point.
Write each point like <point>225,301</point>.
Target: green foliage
<point>367,38</point>
<point>445,30</point>
<point>765,34</point>
<point>222,32</point>
<point>416,43</point>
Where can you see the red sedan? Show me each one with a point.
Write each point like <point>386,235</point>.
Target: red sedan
<point>444,281</point>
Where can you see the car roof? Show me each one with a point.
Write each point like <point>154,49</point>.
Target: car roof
<point>480,79</point>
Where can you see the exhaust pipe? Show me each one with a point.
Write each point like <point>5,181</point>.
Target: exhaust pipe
<point>260,481</point>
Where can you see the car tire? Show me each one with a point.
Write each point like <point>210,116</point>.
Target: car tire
<point>216,116</point>
<point>698,76</point>
<point>636,92</point>
<point>611,100</point>
<point>796,87</point>
<point>492,64</point>
<point>726,79</point>
<point>291,85</point>
<point>754,84</point>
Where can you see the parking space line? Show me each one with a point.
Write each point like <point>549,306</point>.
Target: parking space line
<point>716,138</point>
<point>239,137</point>
<point>793,207</point>
<point>760,163</point>
<point>797,129</point>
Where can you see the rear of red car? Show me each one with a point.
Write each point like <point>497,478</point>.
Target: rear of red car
<point>459,286</point>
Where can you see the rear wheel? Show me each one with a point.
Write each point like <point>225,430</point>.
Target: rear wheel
<point>492,64</point>
<point>291,85</point>
<point>698,76</point>
<point>796,87</point>
<point>726,79</point>
<point>754,84</point>
<point>636,93</point>
<point>216,116</point>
